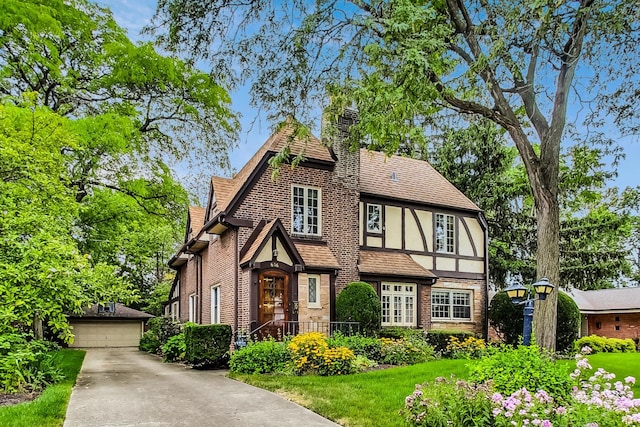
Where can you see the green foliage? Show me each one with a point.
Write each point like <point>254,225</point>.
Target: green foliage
<point>358,302</point>
<point>507,319</point>
<point>530,367</point>
<point>439,339</point>
<point>369,347</point>
<point>207,345</point>
<point>406,351</point>
<point>260,357</point>
<point>26,364</point>
<point>149,342</point>
<point>600,344</point>
<point>448,402</point>
<point>164,328</point>
<point>397,332</point>
<point>174,349</point>
<point>568,323</point>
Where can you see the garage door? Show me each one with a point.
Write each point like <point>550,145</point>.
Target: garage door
<point>107,333</point>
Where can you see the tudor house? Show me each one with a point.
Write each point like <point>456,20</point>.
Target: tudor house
<point>267,251</point>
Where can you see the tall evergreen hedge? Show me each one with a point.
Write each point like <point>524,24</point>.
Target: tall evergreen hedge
<point>359,302</point>
<point>207,346</point>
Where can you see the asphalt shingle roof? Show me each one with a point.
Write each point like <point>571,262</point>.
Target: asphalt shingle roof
<point>391,264</point>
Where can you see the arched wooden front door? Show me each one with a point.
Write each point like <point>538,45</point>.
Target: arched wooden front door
<point>273,301</point>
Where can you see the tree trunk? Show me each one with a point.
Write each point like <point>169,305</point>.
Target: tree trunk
<point>37,326</point>
<point>548,265</point>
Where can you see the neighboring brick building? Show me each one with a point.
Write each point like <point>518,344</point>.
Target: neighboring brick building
<point>269,252</point>
<point>613,313</point>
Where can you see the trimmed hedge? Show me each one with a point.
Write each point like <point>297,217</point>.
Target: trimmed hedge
<point>439,339</point>
<point>359,302</point>
<point>600,344</point>
<point>207,346</point>
<point>568,323</point>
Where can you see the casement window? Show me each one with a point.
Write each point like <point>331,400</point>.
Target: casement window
<point>398,302</point>
<point>450,305</point>
<point>215,304</point>
<point>192,307</point>
<point>445,233</point>
<point>374,218</point>
<point>305,210</point>
<point>313,291</point>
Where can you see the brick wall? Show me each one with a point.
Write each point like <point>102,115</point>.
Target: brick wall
<point>187,286</point>
<point>622,325</point>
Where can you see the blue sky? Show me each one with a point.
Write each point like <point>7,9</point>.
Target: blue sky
<point>133,15</point>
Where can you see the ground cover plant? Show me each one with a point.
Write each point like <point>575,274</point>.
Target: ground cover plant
<point>48,409</point>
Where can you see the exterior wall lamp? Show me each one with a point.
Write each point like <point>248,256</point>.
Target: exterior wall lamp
<point>522,295</point>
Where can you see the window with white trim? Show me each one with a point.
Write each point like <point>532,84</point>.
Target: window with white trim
<point>450,305</point>
<point>445,233</point>
<point>398,302</point>
<point>215,304</point>
<point>313,290</point>
<point>192,307</point>
<point>305,210</point>
<point>175,310</point>
<point>374,218</point>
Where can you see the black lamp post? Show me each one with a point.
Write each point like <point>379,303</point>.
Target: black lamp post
<point>518,293</point>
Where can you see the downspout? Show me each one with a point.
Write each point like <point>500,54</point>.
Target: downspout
<point>485,324</point>
<point>235,269</point>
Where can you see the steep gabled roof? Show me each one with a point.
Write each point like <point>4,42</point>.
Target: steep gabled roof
<point>408,179</point>
<point>311,148</point>
<point>196,219</point>
<point>263,237</point>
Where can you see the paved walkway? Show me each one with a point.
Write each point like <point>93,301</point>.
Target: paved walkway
<point>126,387</point>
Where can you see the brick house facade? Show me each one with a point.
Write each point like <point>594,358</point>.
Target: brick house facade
<point>265,252</point>
<point>613,313</point>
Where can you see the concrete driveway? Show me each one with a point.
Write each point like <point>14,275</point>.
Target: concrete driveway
<point>126,387</point>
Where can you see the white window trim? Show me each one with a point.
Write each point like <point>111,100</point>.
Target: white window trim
<point>446,237</point>
<point>316,304</point>
<point>193,304</point>
<point>391,293</point>
<point>215,312</point>
<point>175,310</point>
<point>451,318</point>
<point>304,216</point>
<point>369,230</point>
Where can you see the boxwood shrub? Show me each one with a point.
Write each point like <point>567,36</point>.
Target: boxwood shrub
<point>207,346</point>
<point>260,357</point>
<point>600,344</point>
<point>359,302</point>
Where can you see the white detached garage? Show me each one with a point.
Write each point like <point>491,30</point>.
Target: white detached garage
<point>111,325</point>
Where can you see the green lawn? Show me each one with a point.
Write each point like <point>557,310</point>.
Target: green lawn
<point>370,399</point>
<point>50,407</point>
<point>374,398</point>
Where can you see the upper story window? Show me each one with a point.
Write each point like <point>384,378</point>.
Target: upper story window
<point>374,218</point>
<point>305,210</point>
<point>445,233</point>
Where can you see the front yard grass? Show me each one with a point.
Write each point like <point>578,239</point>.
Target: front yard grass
<point>374,398</point>
<point>368,399</point>
<point>50,408</point>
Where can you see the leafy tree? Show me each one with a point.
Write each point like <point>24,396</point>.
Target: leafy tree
<point>43,275</point>
<point>403,62</point>
<point>134,114</point>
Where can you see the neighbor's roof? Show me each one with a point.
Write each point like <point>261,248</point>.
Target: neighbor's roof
<point>607,300</point>
<point>310,148</point>
<point>415,180</point>
<point>121,312</point>
<point>317,255</point>
<point>391,264</point>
